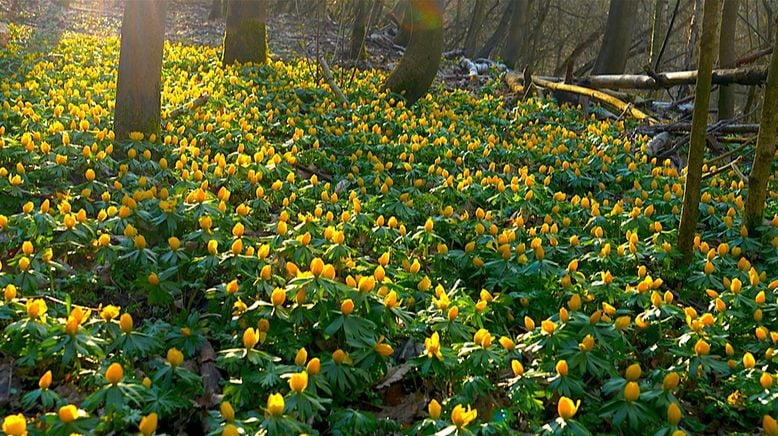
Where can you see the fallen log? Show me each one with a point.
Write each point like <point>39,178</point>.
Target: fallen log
<point>597,95</point>
<point>740,76</point>
<point>727,129</point>
<point>194,104</point>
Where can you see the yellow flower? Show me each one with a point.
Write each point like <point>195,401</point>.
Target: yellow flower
<point>385,350</point>
<point>749,361</point>
<point>175,357</point>
<point>250,338</point>
<point>517,368</point>
<point>670,381</point>
<point>461,417</point>
<point>299,381</point>
<point>314,366</point>
<point>622,322</point>
<point>278,297</point>
<point>301,357</point>
<point>148,424</point>
<point>9,293</point>
<point>340,357</point>
<point>434,409</point>
<point>317,266</point>
<point>15,425</point>
<point>566,408</point>
<point>562,368</point>
<point>529,323</point>
<point>230,430</point>
<point>213,247</point>
<point>228,413</point>
<point>633,372</point>
<point>548,326</point>
<point>36,308</point>
<point>507,343</point>
<point>68,414</point>
<point>391,301</point>
<point>673,414</point>
<point>275,404</point>
<point>125,322</point>
<point>587,344</point>
<point>631,391</point>
<point>482,338</point>
<point>770,425</point>
<point>432,346</point>
<point>429,225</point>
<point>114,373</point>
<point>45,381</point>
<point>766,380</point>
<point>701,348</point>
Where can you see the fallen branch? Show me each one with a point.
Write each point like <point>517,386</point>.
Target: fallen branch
<point>194,104</point>
<point>597,95</point>
<point>325,68</point>
<point>687,127</point>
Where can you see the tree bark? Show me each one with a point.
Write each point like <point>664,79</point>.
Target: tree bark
<point>498,34</point>
<point>691,40</point>
<point>765,148</point>
<point>405,25</point>
<point>727,57</point>
<point>658,31</point>
<point>612,58</point>
<point>140,69</point>
<point>515,50</point>
<point>691,195</point>
<point>216,10</point>
<point>419,65</point>
<point>245,34</point>
<point>357,48</point>
<point>476,22</point>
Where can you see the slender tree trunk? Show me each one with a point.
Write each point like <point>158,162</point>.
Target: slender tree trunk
<point>419,65</point>
<point>658,30</point>
<point>498,34</point>
<point>691,40</point>
<point>216,10</point>
<point>357,49</point>
<point>765,148</point>
<point>691,195</point>
<point>476,22</point>
<point>245,35</point>
<point>514,52</point>
<point>612,58</point>
<point>140,69</point>
<point>376,13</point>
<point>727,57</point>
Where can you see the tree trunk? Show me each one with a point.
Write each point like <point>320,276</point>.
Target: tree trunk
<point>515,50</point>
<point>140,69</point>
<point>419,65</point>
<point>498,34</point>
<point>658,31</point>
<point>357,49</point>
<point>216,10</point>
<point>476,22</point>
<point>691,41</point>
<point>405,25</point>
<point>765,148</point>
<point>376,13</point>
<point>245,35</point>
<point>727,57</point>
<point>612,58</point>
<point>691,195</point>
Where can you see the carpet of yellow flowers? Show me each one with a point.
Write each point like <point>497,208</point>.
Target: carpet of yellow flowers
<point>276,262</point>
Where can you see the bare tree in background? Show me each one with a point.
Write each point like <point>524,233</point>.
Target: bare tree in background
<point>216,10</point>
<point>476,23</point>
<point>140,69</point>
<point>697,139</point>
<point>514,52</point>
<point>245,35</point>
<point>357,48</point>
<point>419,65</point>
<point>765,148</point>
<point>612,58</point>
<point>727,57</point>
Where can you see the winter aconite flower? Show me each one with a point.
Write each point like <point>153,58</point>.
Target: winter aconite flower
<point>114,373</point>
<point>275,404</point>
<point>148,424</point>
<point>174,357</point>
<point>68,413</point>
<point>298,381</point>
<point>461,417</point>
<point>566,408</point>
<point>15,425</point>
<point>434,409</point>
